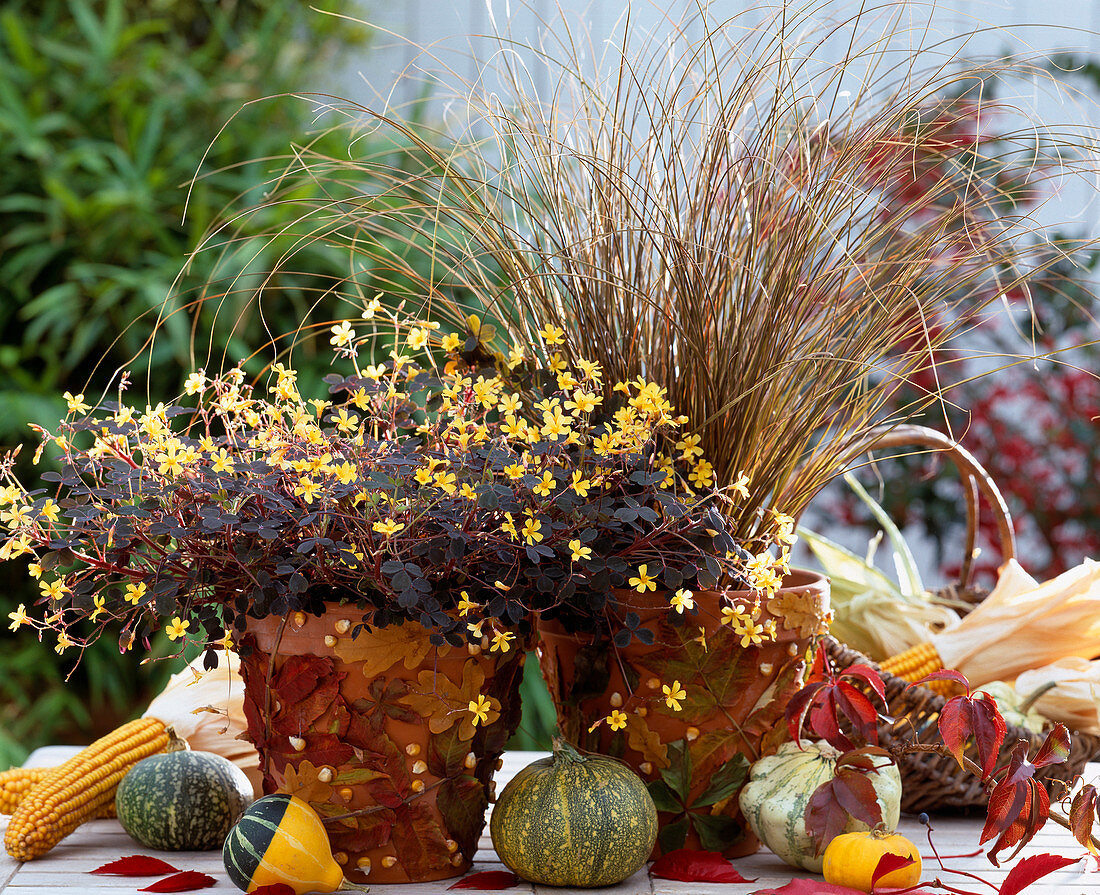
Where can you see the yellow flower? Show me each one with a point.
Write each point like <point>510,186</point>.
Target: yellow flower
<point>616,720</point>
<point>510,403</point>
<point>417,338</point>
<point>751,633</point>
<point>580,484</point>
<point>55,590</point>
<point>223,461</point>
<point>673,695</point>
<point>475,627</point>
<point>346,422</point>
<point>76,403</point>
<point>643,581</point>
<point>583,402</point>
<point>226,643</point>
<point>63,643</point>
<point>465,604</point>
<point>681,600</point>
<point>307,489</point>
<point>509,527</point>
<point>345,472</point>
<point>134,592</point>
<point>195,383</point>
<point>591,369</point>
<point>446,482</point>
<point>741,486</point>
<point>502,641</point>
<point>532,531</point>
<point>177,628</point>
<point>566,382</point>
<point>547,484</point>
<point>451,342</point>
<point>703,474</point>
<point>18,618</point>
<point>480,709</point>
<point>372,308</point>
<point>100,603</point>
<point>49,511</point>
<point>556,363</point>
<point>424,475</point>
<point>689,447</point>
<point>35,570</point>
<point>552,334</point>
<point>555,424</point>
<point>467,491</point>
<point>515,356</point>
<point>342,334</point>
<point>514,471</point>
<point>579,550</point>
<point>388,528</point>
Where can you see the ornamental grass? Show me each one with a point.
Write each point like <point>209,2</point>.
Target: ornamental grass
<point>780,242</point>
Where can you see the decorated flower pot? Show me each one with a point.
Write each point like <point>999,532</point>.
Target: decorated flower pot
<point>691,710</point>
<point>391,739</point>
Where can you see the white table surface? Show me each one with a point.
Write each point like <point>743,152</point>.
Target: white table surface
<point>67,866</point>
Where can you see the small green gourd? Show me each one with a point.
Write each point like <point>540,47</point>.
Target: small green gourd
<point>781,785</point>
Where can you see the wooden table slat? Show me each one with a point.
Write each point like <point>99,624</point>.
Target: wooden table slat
<point>67,866</point>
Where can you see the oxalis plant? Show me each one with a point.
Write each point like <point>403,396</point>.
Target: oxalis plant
<point>415,489</point>
<point>840,708</point>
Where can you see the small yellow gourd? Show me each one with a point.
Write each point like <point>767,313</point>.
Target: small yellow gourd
<point>851,859</point>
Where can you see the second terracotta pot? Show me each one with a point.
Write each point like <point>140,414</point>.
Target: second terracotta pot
<point>692,710</point>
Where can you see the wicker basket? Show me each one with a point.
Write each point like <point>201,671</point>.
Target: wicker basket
<point>930,781</point>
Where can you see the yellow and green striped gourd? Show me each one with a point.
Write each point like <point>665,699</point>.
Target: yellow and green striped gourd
<point>280,839</point>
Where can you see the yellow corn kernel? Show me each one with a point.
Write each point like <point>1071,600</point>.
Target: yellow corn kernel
<point>80,788</point>
<point>15,784</point>
<point>914,663</point>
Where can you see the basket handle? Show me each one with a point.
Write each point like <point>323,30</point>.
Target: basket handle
<point>975,480</point>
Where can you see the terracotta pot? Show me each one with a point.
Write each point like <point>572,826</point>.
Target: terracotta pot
<point>733,697</point>
<point>375,731</point>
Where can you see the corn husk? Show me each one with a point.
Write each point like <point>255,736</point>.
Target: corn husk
<point>206,708</point>
<point>1075,697</point>
<point>1024,625</point>
<point>871,612</point>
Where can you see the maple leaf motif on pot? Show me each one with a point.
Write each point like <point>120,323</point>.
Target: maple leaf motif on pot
<point>382,648</point>
<point>383,701</point>
<point>444,703</point>
<point>303,781</point>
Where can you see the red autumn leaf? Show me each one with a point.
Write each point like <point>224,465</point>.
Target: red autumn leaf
<point>274,889</point>
<point>944,674</point>
<point>1082,814</point>
<point>1018,806</point>
<point>1031,868</point>
<point>817,887</point>
<point>136,865</point>
<point>690,866</point>
<point>973,717</point>
<point>1055,748</point>
<point>187,881</point>
<point>487,879</point>
<point>888,863</point>
<point>849,794</point>
<point>828,697</point>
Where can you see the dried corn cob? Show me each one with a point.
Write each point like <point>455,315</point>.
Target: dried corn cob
<point>75,791</point>
<point>916,662</point>
<point>17,782</point>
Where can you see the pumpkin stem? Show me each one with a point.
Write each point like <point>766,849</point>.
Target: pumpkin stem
<point>880,831</point>
<point>565,751</point>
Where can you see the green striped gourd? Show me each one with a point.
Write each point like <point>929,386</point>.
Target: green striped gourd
<point>280,839</point>
<point>577,821</point>
<point>780,786</point>
<point>182,801</point>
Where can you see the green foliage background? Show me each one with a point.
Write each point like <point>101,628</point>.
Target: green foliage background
<point>106,110</point>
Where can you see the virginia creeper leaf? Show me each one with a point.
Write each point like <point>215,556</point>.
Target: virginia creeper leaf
<point>487,880</point>
<point>1030,869</point>
<point>136,865</point>
<point>187,881</point>
<point>691,866</point>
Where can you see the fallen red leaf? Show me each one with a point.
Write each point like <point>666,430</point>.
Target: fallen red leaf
<point>274,889</point>
<point>486,879</point>
<point>819,887</point>
<point>689,866</point>
<point>136,865</point>
<point>1030,869</point>
<point>187,881</point>
<point>887,864</point>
